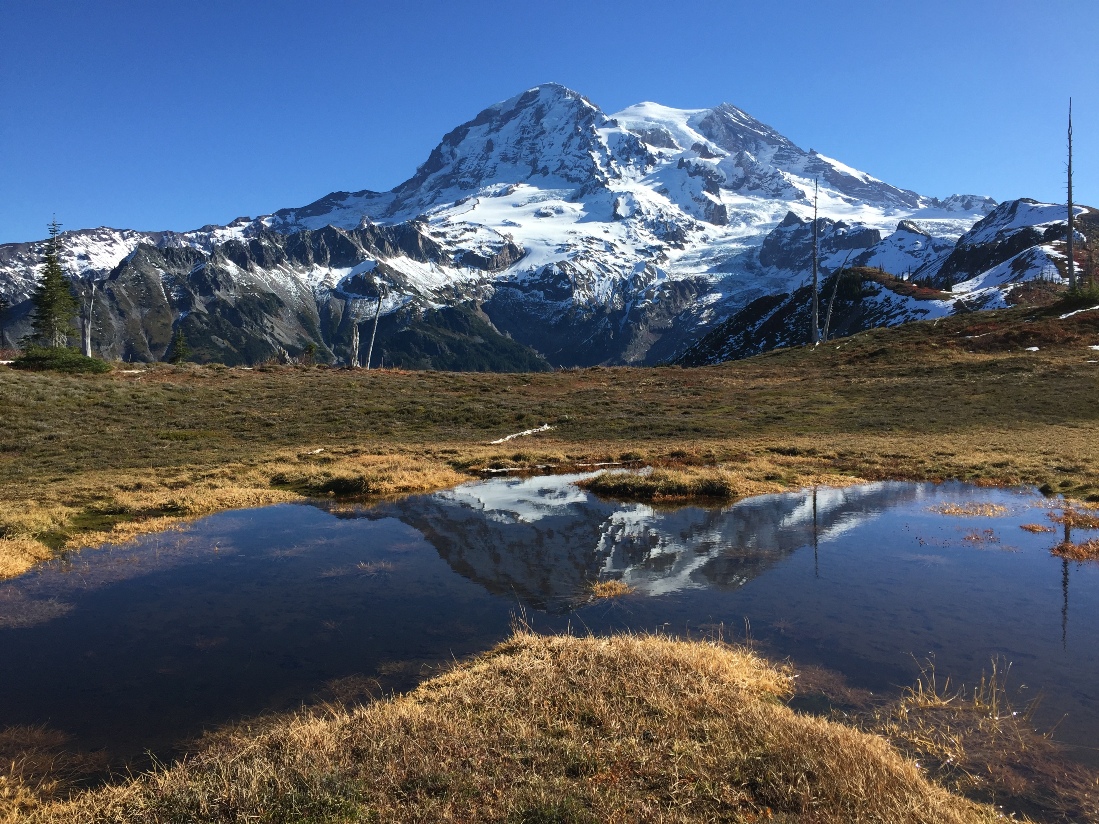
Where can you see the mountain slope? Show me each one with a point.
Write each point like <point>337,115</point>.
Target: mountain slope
<point>1019,244</point>
<point>586,237</point>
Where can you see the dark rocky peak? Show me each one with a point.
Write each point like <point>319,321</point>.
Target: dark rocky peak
<point>327,247</point>
<point>912,228</point>
<point>736,131</point>
<point>1009,229</point>
<point>789,245</point>
<point>548,134</point>
<point>147,256</point>
<point>966,203</point>
<point>1021,216</point>
<point>1005,214</point>
<point>324,206</point>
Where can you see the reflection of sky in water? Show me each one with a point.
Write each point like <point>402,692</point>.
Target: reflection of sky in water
<point>140,646</point>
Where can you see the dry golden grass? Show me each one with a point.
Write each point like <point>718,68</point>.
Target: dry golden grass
<point>681,484</point>
<point>38,765</point>
<point>978,742</point>
<point>362,474</point>
<point>1086,551</point>
<point>1076,519</point>
<point>972,510</point>
<point>17,555</point>
<point>547,729</point>
<point>610,589</point>
<point>109,507</point>
<point>1037,528</point>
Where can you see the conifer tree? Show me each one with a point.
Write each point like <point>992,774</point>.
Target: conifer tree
<point>180,350</point>
<point>53,300</point>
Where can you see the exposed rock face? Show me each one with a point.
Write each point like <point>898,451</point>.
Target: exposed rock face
<point>966,203</point>
<point>546,312</point>
<point>1011,228</point>
<point>542,232</point>
<point>912,227</point>
<point>1019,241</point>
<point>248,299</point>
<point>790,244</point>
<point>860,302</point>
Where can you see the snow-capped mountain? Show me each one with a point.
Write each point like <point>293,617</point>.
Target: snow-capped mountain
<point>1019,241</point>
<point>561,538</point>
<point>542,232</point>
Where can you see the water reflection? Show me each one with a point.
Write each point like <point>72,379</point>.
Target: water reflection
<point>138,647</point>
<point>544,540</point>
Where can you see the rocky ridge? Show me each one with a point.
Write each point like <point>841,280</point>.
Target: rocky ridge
<point>552,233</point>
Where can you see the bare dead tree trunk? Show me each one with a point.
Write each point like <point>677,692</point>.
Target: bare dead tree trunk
<point>353,361</point>
<point>832,300</point>
<point>374,334</point>
<point>814,327</point>
<point>89,309</point>
<point>1071,216</point>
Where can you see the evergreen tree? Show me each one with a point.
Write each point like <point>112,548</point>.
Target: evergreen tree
<point>53,300</point>
<point>180,350</point>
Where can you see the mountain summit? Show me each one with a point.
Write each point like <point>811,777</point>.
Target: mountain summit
<point>541,232</point>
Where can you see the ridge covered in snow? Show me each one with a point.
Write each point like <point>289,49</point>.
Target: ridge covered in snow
<point>587,237</point>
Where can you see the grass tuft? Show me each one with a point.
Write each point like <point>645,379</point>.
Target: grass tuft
<point>610,589</point>
<point>1076,519</point>
<point>679,484</point>
<point>977,743</point>
<point>973,510</point>
<point>547,729</point>
<point>1037,528</point>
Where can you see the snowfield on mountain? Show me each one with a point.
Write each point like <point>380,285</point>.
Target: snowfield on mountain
<point>543,233</point>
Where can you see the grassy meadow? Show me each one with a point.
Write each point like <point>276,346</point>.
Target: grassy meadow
<point>566,729</point>
<point>91,458</point>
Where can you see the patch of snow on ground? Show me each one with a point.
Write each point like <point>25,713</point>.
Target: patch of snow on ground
<point>1077,312</point>
<point>991,285</point>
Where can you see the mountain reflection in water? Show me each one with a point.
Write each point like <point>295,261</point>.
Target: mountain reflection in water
<point>138,647</point>
<point>545,540</point>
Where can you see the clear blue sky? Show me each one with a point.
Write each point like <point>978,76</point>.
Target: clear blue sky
<point>170,115</point>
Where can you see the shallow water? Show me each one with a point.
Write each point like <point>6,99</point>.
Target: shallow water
<point>137,648</point>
